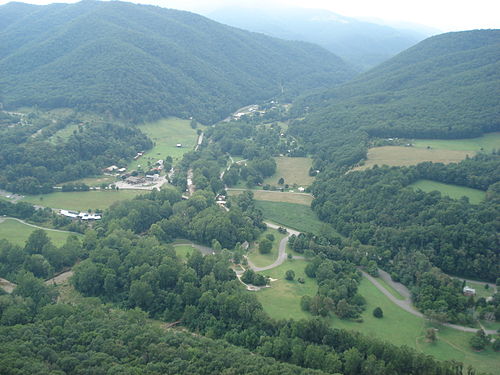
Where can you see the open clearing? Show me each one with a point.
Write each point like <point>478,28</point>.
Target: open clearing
<point>96,181</point>
<point>276,196</point>
<point>293,170</point>
<point>453,191</point>
<point>17,233</point>
<point>487,143</point>
<point>295,216</point>
<point>166,134</point>
<point>282,301</point>
<point>82,200</point>
<point>263,260</point>
<point>403,156</point>
<point>183,251</point>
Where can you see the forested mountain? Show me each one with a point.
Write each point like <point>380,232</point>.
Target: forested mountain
<point>363,44</point>
<point>447,86</point>
<point>143,62</point>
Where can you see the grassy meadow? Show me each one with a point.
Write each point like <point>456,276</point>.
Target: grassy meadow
<point>487,143</point>
<point>293,170</point>
<point>183,251</point>
<point>82,200</point>
<point>17,233</point>
<point>262,260</point>
<point>276,196</point>
<point>165,134</point>
<point>292,215</point>
<point>453,191</point>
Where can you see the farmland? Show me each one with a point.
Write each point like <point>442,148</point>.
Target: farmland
<point>487,143</point>
<point>166,134</point>
<point>295,216</point>
<point>404,156</point>
<point>17,232</point>
<point>94,199</point>
<point>292,170</point>
<point>453,191</point>
<point>277,196</point>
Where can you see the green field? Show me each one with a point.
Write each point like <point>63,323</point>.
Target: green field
<point>84,200</point>
<point>295,216</point>
<point>262,260</point>
<point>95,181</point>
<point>165,135</point>
<point>404,156</point>
<point>183,251</point>
<point>293,170</point>
<point>453,191</point>
<point>487,143</point>
<point>276,196</point>
<point>282,301</point>
<point>17,233</point>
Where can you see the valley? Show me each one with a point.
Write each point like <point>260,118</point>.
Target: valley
<point>339,222</point>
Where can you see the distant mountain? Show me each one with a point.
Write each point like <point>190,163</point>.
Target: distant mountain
<point>361,43</point>
<point>143,62</point>
<point>447,86</point>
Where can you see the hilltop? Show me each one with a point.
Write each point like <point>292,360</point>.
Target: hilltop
<point>143,62</point>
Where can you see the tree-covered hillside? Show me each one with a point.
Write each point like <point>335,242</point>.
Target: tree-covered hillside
<point>447,86</point>
<point>143,62</point>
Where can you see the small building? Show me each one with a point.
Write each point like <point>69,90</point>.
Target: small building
<point>152,177</point>
<point>135,180</point>
<point>121,170</point>
<point>111,168</point>
<point>301,189</point>
<point>70,214</point>
<point>179,145</point>
<point>468,291</point>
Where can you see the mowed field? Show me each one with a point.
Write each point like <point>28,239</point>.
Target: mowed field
<point>453,191</point>
<point>292,215</point>
<point>262,260</point>
<point>17,232</point>
<point>487,143</point>
<point>403,156</point>
<point>166,134</point>
<point>282,301</point>
<point>293,170</point>
<point>276,196</point>
<point>84,200</point>
<point>436,150</point>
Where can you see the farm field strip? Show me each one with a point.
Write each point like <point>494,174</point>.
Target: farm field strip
<point>453,191</point>
<point>292,170</point>
<point>276,196</point>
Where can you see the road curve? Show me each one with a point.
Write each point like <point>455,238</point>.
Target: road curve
<point>36,226</point>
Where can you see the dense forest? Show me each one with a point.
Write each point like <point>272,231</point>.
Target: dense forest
<point>444,87</point>
<point>130,270</point>
<point>30,163</point>
<point>178,63</point>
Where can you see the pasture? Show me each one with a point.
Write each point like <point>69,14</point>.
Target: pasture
<point>262,260</point>
<point>17,232</point>
<point>292,215</point>
<point>276,196</point>
<point>95,181</point>
<point>166,134</point>
<point>404,156</point>
<point>82,200</point>
<point>282,301</point>
<point>453,191</point>
<point>293,171</point>
<point>487,143</point>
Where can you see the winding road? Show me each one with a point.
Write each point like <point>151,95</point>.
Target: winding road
<point>2,219</point>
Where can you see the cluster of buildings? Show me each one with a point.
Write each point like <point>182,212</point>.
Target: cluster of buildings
<point>85,216</point>
<point>114,168</point>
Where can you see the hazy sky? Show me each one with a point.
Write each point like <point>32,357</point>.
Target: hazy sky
<point>446,15</point>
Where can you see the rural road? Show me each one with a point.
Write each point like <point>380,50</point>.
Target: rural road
<point>281,250</point>
<point>36,226</point>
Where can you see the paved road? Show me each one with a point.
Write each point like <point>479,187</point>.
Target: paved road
<point>407,305</point>
<point>36,226</point>
<point>281,250</point>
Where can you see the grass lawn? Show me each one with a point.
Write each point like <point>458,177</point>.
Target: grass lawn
<point>487,142</point>
<point>17,233</point>
<point>401,156</point>
<point>94,199</point>
<point>282,300</point>
<point>165,135</point>
<point>397,326</point>
<point>293,170</point>
<point>183,251</point>
<point>295,216</point>
<point>453,191</point>
<point>262,260</point>
<point>277,196</point>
